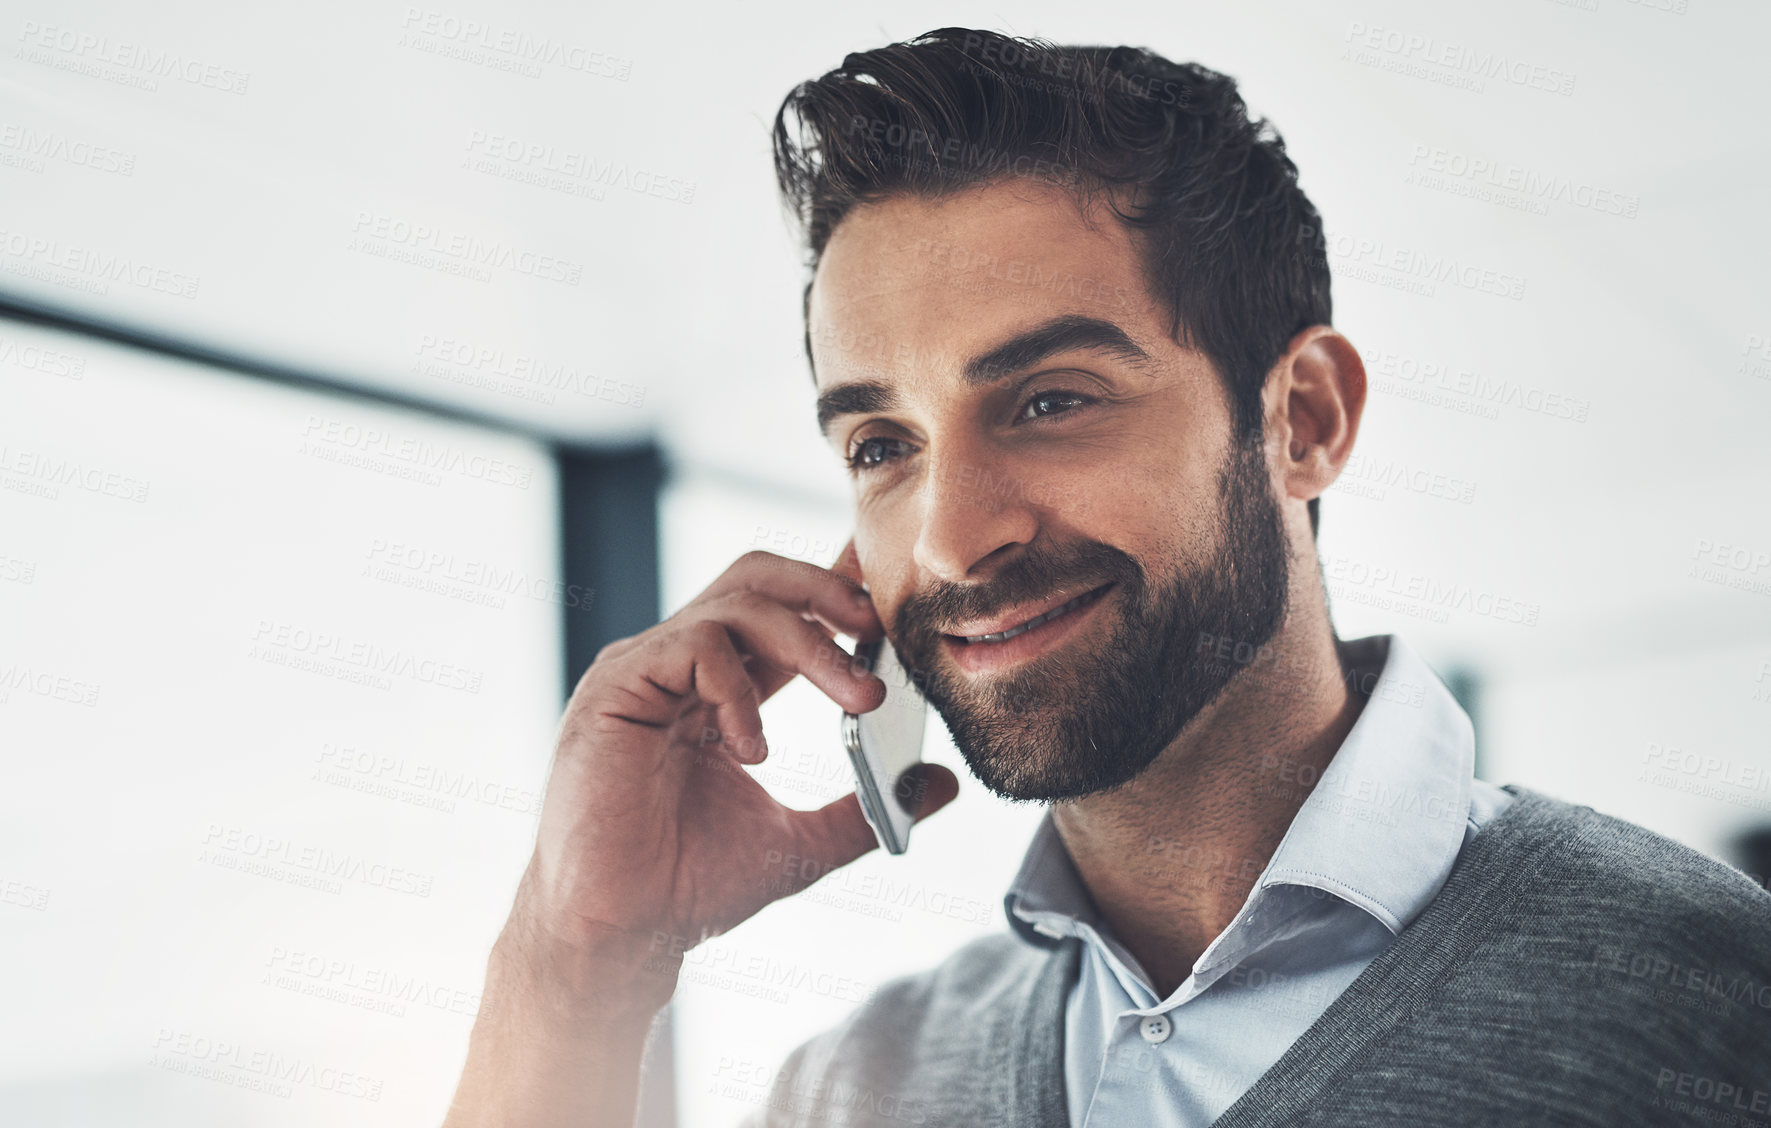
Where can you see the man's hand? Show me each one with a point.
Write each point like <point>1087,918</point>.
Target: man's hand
<point>653,836</point>
<point>651,826</point>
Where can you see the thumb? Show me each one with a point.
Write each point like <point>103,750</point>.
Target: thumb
<point>925,788</point>
<point>837,833</point>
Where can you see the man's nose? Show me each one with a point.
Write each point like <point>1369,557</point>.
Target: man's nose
<point>974,506</point>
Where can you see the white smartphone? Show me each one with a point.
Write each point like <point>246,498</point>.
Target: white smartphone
<point>884,744</point>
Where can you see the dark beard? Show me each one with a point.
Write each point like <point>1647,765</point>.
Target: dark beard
<point>1079,721</point>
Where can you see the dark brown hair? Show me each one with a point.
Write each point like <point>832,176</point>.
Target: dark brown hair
<point>1229,242</point>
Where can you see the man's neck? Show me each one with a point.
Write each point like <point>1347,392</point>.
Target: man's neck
<point>1170,857</point>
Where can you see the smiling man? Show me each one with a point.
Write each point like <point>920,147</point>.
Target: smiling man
<point>1069,326</point>
<point>1148,520</point>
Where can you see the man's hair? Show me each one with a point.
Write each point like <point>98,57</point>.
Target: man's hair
<point>1228,240</point>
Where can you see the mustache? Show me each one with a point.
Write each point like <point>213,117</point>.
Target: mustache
<point>1029,577</point>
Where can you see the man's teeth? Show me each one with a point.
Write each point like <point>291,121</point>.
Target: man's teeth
<point>1033,622</point>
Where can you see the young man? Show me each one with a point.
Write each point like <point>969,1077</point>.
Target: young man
<point>1069,325</point>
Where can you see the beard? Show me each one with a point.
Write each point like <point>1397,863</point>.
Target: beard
<point>1077,721</point>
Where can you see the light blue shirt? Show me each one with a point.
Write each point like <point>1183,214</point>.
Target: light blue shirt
<point>1367,851</point>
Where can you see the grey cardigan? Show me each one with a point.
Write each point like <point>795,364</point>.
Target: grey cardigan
<point>1574,969</point>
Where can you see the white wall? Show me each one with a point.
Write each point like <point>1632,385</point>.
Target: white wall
<point>272,734</point>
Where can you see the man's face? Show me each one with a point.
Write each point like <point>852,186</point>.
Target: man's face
<point>1026,441</point>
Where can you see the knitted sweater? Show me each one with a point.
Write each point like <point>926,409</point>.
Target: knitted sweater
<point>1575,969</point>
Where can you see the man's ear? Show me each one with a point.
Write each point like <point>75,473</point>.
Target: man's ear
<point>1316,394</point>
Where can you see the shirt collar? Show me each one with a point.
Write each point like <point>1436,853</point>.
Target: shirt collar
<point>1383,826</point>
<point>1047,890</point>
<point>1380,829</point>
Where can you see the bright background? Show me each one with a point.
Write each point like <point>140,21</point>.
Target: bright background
<point>1616,500</point>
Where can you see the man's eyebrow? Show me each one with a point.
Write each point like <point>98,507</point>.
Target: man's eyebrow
<point>857,397</point>
<point>1066,333</point>
<point>1048,339</point>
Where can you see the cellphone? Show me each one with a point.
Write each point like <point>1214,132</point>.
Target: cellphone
<point>884,744</point>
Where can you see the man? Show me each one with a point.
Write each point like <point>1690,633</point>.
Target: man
<point>1069,325</point>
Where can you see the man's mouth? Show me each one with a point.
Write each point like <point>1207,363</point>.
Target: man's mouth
<point>1024,626</point>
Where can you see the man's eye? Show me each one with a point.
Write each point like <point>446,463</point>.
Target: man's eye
<point>873,451</point>
<point>1042,404</point>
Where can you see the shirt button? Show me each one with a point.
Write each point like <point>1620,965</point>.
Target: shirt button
<point>1155,1028</point>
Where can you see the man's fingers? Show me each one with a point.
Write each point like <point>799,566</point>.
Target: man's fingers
<point>740,728</point>
<point>648,683</point>
<point>769,678</point>
<point>778,637</point>
<point>719,679</point>
<point>736,652</point>
<point>825,602</point>
<point>804,587</point>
